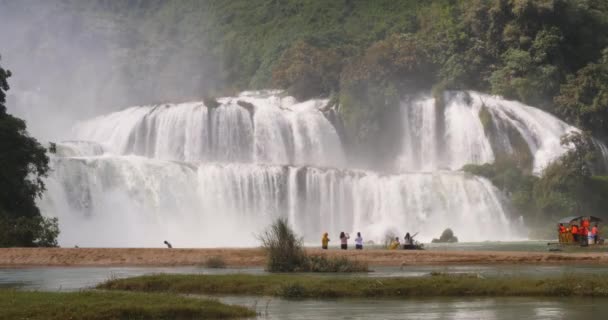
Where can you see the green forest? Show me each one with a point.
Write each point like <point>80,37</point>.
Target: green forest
<point>24,164</point>
<point>365,55</point>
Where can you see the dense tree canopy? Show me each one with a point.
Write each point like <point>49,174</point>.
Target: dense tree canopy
<point>23,165</point>
<point>584,98</point>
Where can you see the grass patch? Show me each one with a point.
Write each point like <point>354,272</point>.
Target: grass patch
<point>303,286</point>
<point>215,262</point>
<point>92,305</point>
<point>334,264</point>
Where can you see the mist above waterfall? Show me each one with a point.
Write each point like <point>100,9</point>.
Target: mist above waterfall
<point>71,62</point>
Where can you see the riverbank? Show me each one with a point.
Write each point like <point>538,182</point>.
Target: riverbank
<point>92,305</point>
<point>314,286</point>
<point>254,257</point>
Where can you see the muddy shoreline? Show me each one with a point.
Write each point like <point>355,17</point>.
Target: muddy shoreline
<point>254,257</point>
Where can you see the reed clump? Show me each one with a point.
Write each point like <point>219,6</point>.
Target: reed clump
<point>215,262</point>
<point>285,253</point>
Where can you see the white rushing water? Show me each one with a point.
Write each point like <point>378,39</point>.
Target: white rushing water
<point>135,201</point>
<point>603,154</point>
<point>456,136</point>
<point>280,131</point>
<point>216,176</point>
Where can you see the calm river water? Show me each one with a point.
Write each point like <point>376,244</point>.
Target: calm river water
<point>75,278</point>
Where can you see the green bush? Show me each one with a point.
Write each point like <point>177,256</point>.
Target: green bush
<point>292,291</point>
<point>215,262</point>
<point>284,249</point>
<point>34,231</point>
<point>285,253</point>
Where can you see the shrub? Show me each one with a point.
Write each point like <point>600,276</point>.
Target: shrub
<point>286,253</point>
<point>292,291</point>
<point>284,248</point>
<point>36,231</point>
<point>215,262</point>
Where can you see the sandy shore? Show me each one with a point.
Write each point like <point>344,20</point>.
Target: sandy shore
<point>23,257</point>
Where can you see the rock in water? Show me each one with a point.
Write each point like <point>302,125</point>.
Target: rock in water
<point>447,236</point>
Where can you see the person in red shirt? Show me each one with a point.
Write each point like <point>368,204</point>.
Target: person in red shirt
<point>594,233</point>
<point>574,231</point>
<point>583,235</point>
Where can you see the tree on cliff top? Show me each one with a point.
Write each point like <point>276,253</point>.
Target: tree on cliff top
<point>23,164</point>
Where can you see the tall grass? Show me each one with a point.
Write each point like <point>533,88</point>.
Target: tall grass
<point>215,262</point>
<point>284,249</point>
<point>285,253</point>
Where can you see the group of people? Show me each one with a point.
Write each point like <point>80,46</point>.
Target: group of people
<point>343,241</point>
<point>575,233</point>
<point>408,241</point>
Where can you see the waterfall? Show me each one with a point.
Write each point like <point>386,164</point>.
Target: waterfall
<point>118,200</point>
<point>602,150</point>
<point>466,139</point>
<point>280,131</point>
<point>78,149</point>
<point>217,175</point>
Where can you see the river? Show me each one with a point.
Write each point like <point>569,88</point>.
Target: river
<point>76,278</point>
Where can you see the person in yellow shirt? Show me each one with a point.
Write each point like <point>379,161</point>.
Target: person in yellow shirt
<point>394,244</point>
<point>324,241</point>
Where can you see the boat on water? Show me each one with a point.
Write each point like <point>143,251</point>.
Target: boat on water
<point>579,231</point>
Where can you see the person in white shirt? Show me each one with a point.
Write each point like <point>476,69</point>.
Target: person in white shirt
<point>359,241</point>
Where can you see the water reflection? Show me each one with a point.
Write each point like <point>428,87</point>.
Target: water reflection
<point>75,278</point>
<point>431,308</point>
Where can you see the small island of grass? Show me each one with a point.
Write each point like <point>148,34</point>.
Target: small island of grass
<point>309,286</point>
<point>93,305</point>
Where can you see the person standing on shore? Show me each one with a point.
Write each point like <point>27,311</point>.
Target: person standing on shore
<point>324,241</point>
<point>574,231</point>
<point>594,233</point>
<point>583,234</point>
<point>408,242</point>
<point>359,242</point>
<point>344,240</point>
